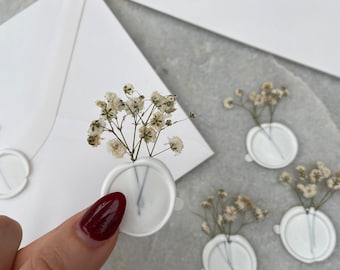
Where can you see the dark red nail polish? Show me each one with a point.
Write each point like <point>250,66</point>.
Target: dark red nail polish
<point>102,219</point>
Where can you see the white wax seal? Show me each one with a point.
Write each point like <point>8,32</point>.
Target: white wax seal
<point>14,172</point>
<point>307,237</point>
<point>219,254</point>
<point>272,145</point>
<point>150,193</point>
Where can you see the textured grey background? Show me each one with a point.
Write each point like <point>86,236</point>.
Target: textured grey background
<point>202,68</point>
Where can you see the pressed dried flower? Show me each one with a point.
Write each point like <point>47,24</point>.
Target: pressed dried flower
<point>206,228</point>
<point>300,187</point>
<point>252,96</point>
<point>221,193</point>
<point>205,204</point>
<point>101,104</point>
<point>116,148</point>
<point>259,100</point>
<point>210,198</point>
<point>239,92</point>
<point>271,100</point>
<point>277,93</point>
<point>149,121</point>
<point>326,172</point>
<point>94,140</point>
<point>157,99</point>
<point>158,121</point>
<point>309,191</point>
<point>230,214</point>
<point>333,183</point>
<point>228,103</point>
<point>96,127</point>
<point>315,175</point>
<point>301,170</point>
<point>268,85</point>
<point>176,144</point>
<point>320,164</point>
<point>168,105</point>
<point>242,202</point>
<point>286,178</point>
<point>128,89</point>
<point>260,213</point>
<point>148,134</point>
<point>219,220</point>
<point>134,105</point>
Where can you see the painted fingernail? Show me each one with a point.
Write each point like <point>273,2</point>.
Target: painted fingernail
<point>102,219</point>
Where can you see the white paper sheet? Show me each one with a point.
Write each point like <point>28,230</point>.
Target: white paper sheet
<point>304,31</point>
<point>75,50</point>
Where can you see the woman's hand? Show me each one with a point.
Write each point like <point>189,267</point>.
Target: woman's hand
<point>82,242</point>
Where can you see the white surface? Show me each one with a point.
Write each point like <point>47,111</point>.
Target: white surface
<point>241,254</point>
<point>304,31</point>
<point>45,65</point>
<point>299,231</point>
<point>157,198</point>
<point>274,153</point>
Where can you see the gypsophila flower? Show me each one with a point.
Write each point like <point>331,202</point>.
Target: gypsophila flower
<point>128,89</point>
<point>228,218</point>
<point>260,214</point>
<point>228,103</point>
<point>242,202</point>
<point>315,175</point>
<point>300,187</point>
<point>265,100</point>
<point>301,170</point>
<point>230,213</point>
<point>316,186</point>
<point>239,92</point>
<point>176,144</point>
<point>268,85</point>
<point>148,134</point>
<point>158,120</point>
<point>210,198</point>
<point>286,178</point>
<point>309,191</point>
<point>277,93</point>
<point>94,140</point>
<point>148,119</point>
<point>221,193</point>
<point>219,220</point>
<point>206,228</point>
<point>135,105</point>
<point>205,204</point>
<point>333,183</point>
<point>252,96</point>
<point>116,148</point>
<point>96,127</point>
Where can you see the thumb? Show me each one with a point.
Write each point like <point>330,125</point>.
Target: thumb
<point>82,242</point>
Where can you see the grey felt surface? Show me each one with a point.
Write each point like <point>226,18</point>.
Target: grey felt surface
<point>202,68</point>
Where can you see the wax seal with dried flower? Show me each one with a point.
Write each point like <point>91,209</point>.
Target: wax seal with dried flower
<point>136,125</point>
<point>270,144</point>
<point>306,232</point>
<point>222,221</point>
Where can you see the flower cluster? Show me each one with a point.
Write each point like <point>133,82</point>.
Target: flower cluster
<point>256,102</point>
<point>149,118</point>
<point>314,187</point>
<point>228,216</point>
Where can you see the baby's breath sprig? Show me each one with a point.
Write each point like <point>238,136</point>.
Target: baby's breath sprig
<point>149,117</point>
<point>228,216</point>
<point>314,187</point>
<point>256,102</point>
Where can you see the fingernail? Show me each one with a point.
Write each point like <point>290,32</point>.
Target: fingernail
<point>102,219</point>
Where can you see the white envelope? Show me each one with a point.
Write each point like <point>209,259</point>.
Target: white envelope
<point>57,58</point>
<point>304,31</point>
